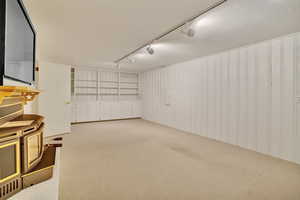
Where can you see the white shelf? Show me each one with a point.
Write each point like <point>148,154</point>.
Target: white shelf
<point>93,85</point>
<point>88,94</point>
<point>109,81</point>
<point>109,94</point>
<point>86,87</point>
<point>128,82</point>
<point>86,80</point>
<point>108,87</point>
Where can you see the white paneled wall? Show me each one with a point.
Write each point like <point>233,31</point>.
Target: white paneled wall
<point>105,110</point>
<point>245,97</point>
<point>105,95</point>
<point>298,96</point>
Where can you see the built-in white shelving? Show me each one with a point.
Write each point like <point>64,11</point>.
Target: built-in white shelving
<point>104,85</point>
<point>104,95</point>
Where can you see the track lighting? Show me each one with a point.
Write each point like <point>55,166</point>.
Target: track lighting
<point>150,50</point>
<point>187,28</point>
<point>190,32</point>
<point>131,60</point>
<point>117,64</point>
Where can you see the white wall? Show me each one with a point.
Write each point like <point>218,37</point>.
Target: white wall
<point>245,97</point>
<point>298,91</point>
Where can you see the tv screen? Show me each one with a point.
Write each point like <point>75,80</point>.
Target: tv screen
<point>19,43</point>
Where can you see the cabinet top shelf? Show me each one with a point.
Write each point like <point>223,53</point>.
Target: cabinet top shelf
<point>86,80</point>
<point>86,87</point>
<point>17,91</point>
<point>86,94</point>
<point>108,87</point>
<point>109,81</point>
<point>130,82</point>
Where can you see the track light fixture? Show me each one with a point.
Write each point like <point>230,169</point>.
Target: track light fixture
<point>189,31</point>
<point>117,65</point>
<point>150,50</point>
<point>131,60</point>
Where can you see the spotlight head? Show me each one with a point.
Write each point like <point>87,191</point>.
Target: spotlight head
<point>190,32</point>
<point>117,65</point>
<point>131,60</point>
<point>150,50</point>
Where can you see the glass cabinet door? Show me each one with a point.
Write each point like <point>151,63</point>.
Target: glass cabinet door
<point>9,160</point>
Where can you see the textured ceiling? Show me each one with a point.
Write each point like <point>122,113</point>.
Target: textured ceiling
<point>97,32</point>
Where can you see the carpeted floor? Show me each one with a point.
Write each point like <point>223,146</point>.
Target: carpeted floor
<point>139,160</point>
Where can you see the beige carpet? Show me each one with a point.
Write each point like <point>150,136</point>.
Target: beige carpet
<point>139,160</point>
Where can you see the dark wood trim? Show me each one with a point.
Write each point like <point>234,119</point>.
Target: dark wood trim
<point>2,38</point>
<point>110,120</point>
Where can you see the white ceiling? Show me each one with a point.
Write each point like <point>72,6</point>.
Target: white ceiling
<point>97,32</point>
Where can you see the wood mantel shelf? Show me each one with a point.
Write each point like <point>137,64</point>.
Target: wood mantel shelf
<point>18,91</point>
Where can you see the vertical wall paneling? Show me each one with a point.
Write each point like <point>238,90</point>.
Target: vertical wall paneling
<point>263,97</point>
<point>288,94</point>
<point>105,95</point>
<point>247,97</point>
<point>276,131</point>
<point>234,97</point>
<point>243,123</point>
<point>211,96</point>
<point>225,99</point>
<point>252,105</point>
<point>296,142</point>
<point>218,97</point>
<point>204,96</point>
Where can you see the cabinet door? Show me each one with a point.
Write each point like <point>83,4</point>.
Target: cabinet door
<point>125,109</point>
<point>105,111</point>
<point>92,111</point>
<point>80,112</point>
<point>115,110</point>
<point>136,109</point>
<point>298,98</point>
<point>54,101</point>
<point>74,110</point>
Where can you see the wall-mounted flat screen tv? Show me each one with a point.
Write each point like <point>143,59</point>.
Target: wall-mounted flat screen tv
<point>19,50</point>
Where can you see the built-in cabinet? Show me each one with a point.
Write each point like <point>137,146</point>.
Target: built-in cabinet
<point>298,86</point>
<point>105,110</point>
<point>104,95</point>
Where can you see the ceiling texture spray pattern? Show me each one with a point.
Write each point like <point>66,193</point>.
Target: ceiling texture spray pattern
<point>96,33</point>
